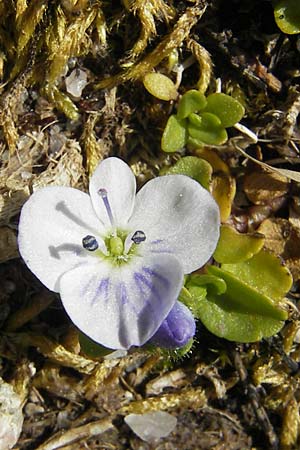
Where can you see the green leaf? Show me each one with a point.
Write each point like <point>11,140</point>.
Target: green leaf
<point>287,16</point>
<point>194,143</point>
<point>206,128</point>
<point>234,247</point>
<point>249,309</point>
<point>191,102</point>
<point>241,313</point>
<point>244,298</point>
<point>196,168</point>
<point>263,272</point>
<point>221,318</point>
<point>213,284</point>
<point>193,301</point>
<point>174,135</point>
<point>228,110</point>
<point>160,86</point>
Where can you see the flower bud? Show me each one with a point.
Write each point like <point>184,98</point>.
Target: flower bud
<point>177,329</point>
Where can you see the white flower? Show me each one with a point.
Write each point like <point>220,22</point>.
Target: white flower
<point>117,258</point>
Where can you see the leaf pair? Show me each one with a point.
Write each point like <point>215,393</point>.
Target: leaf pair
<point>201,120</point>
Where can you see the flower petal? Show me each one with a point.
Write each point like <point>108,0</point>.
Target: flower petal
<point>179,217</point>
<point>53,222</point>
<point>122,306</point>
<point>116,177</point>
<point>177,329</point>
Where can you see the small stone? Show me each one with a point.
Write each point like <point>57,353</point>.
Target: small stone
<point>11,417</point>
<point>151,426</point>
<point>76,82</point>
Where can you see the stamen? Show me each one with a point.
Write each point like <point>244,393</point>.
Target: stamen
<point>138,237</point>
<point>90,243</point>
<point>103,194</point>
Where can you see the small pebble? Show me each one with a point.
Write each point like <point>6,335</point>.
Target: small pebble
<point>76,82</point>
<point>11,417</point>
<point>151,426</point>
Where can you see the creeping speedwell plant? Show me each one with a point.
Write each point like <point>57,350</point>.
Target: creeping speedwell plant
<point>118,259</point>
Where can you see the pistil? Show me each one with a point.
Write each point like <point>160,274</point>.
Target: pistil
<point>116,246</point>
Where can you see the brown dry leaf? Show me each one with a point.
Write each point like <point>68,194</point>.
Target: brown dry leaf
<point>223,189</point>
<point>8,244</point>
<point>290,174</point>
<point>262,187</point>
<point>213,158</point>
<point>283,239</point>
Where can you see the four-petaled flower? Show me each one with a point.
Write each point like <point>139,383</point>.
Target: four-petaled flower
<point>117,258</point>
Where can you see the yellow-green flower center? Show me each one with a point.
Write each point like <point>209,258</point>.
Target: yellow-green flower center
<point>115,246</point>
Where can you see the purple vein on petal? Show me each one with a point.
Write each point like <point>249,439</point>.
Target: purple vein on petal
<point>101,291</point>
<point>159,250</point>
<point>151,291</point>
<point>157,275</point>
<point>122,296</point>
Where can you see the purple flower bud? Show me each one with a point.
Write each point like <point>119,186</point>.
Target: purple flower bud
<point>177,329</point>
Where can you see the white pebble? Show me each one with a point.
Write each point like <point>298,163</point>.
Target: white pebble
<point>11,417</point>
<point>76,82</point>
<point>151,426</point>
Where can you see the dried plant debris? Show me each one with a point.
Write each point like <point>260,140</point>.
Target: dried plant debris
<point>72,94</point>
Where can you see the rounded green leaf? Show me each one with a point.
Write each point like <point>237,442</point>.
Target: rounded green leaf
<point>220,317</point>
<point>196,168</point>
<point>234,247</point>
<point>160,86</point>
<point>174,135</point>
<point>246,299</point>
<point>206,128</point>
<point>241,313</point>
<point>197,294</point>
<point>212,283</point>
<point>229,110</point>
<point>204,119</point>
<point>287,16</point>
<point>264,272</point>
<point>194,143</point>
<point>191,102</point>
